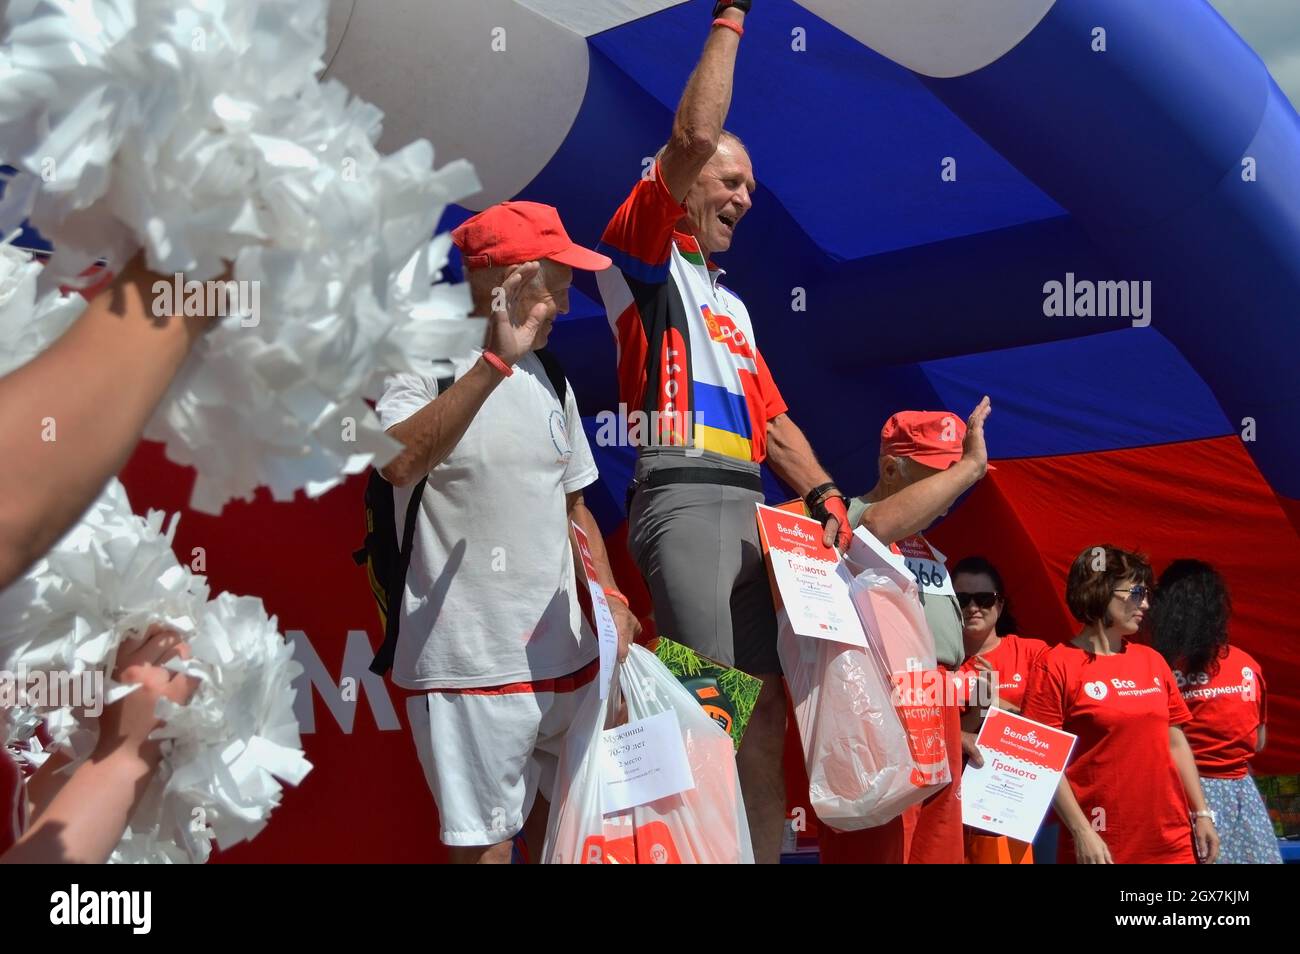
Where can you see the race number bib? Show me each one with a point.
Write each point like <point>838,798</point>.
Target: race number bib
<point>913,556</point>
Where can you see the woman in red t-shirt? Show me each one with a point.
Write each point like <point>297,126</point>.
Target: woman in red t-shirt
<point>991,647</point>
<point>1223,688</point>
<point>1125,795</point>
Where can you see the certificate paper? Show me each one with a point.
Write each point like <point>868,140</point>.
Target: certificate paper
<point>1023,763</point>
<point>811,578</point>
<point>642,762</point>
<point>606,631</point>
<point>913,556</point>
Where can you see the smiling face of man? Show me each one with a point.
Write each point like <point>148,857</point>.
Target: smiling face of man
<point>721,196</point>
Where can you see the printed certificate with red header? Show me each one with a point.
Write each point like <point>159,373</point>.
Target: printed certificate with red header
<point>912,555</point>
<point>812,581</point>
<point>1023,764</point>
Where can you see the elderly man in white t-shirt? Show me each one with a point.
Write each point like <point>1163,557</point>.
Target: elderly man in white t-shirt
<point>492,637</point>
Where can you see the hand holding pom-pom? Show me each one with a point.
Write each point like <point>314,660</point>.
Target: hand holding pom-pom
<point>126,725</point>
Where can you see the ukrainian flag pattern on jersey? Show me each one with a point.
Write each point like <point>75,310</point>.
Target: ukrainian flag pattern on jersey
<point>685,342</point>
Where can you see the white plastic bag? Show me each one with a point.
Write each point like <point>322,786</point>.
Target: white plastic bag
<point>705,824</point>
<point>860,768</point>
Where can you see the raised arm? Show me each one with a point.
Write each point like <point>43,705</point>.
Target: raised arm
<point>71,416</point>
<point>432,432</point>
<point>80,817</point>
<point>697,127</point>
<point>918,505</point>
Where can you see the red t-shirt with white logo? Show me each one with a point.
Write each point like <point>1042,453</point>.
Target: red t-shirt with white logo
<point>1227,710</point>
<point>1123,776</point>
<point>1012,660</point>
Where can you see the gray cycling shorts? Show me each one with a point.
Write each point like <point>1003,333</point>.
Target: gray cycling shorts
<point>697,548</point>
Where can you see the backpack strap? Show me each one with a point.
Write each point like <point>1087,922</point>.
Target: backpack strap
<point>555,373</point>
<point>383,660</point>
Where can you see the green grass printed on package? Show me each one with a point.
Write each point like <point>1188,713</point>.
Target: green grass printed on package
<point>727,695</point>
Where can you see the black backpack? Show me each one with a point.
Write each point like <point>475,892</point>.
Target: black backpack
<point>386,564</point>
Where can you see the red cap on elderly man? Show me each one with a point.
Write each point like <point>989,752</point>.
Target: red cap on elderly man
<point>933,438</point>
<point>511,233</point>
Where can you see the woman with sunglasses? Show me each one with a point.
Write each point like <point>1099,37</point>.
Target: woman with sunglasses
<point>1223,687</point>
<point>1126,793</point>
<point>991,646</point>
<point>988,632</point>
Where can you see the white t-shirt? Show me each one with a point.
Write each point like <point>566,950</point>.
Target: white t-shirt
<point>489,595</point>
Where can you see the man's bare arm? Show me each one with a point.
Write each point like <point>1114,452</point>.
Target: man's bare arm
<point>697,127</point>
<point>97,387</point>
<point>917,506</point>
<point>914,508</point>
<point>433,432</point>
<point>791,457</point>
<point>629,627</point>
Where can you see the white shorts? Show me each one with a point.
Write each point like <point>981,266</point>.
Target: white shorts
<point>486,753</point>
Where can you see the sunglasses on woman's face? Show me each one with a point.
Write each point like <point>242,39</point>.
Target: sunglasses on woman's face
<point>1135,594</point>
<point>982,600</point>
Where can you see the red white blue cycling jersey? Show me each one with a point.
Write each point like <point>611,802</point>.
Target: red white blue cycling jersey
<point>686,350</point>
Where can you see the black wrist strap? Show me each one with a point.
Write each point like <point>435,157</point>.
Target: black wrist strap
<point>741,5</point>
<point>815,495</point>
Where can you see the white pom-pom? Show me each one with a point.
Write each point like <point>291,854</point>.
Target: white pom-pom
<point>29,324</point>
<point>197,130</point>
<point>232,744</point>
<point>230,747</point>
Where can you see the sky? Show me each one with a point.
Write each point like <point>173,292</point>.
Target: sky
<point>1272,28</point>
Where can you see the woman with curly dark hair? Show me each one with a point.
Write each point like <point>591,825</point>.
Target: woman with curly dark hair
<point>1223,687</point>
<point>1130,794</point>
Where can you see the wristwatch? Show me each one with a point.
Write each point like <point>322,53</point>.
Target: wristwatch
<point>1207,813</point>
<point>741,5</point>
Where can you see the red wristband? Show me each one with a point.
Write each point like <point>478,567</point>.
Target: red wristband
<point>497,363</point>
<point>610,591</point>
<point>723,22</point>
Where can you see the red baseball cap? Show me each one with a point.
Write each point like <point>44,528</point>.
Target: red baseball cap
<point>511,233</point>
<point>933,438</point>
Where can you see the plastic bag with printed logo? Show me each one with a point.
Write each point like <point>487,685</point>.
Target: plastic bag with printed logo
<point>895,624</point>
<point>704,824</point>
<point>860,768</point>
